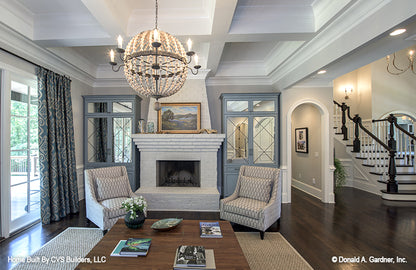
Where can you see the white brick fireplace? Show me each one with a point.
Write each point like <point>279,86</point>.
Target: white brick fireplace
<point>179,147</point>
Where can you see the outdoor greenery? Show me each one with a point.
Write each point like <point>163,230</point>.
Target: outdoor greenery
<point>19,121</point>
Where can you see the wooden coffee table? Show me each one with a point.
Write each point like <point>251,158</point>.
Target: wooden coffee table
<point>227,251</point>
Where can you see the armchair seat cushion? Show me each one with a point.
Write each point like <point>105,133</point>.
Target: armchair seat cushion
<point>113,207</point>
<point>245,207</point>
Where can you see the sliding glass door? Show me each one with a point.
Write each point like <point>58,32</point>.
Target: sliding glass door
<point>20,158</point>
<point>24,157</point>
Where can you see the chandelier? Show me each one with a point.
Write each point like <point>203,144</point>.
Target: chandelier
<point>155,62</point>
<point>394,69</point>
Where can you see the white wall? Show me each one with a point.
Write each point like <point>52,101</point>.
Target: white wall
<point>360,99</point>
<point>305,174</point>
<point>321,97</point>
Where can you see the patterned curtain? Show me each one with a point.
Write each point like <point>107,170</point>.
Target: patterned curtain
<point>58,184</point>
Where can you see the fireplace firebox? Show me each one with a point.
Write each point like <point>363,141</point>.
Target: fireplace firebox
<point>178,173</point>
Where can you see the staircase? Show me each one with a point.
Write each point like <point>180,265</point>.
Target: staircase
<point>383,152</point>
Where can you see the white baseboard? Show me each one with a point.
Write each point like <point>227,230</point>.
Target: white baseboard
<point>313,191</point>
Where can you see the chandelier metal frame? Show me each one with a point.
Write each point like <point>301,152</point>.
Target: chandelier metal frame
<point>155,62</point>
<point>393,69</point>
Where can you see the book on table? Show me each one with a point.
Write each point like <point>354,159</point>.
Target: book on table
<point>117,249</point>
<point>133,247</point>
<point>190,256</point>
<point>210,229</point>
<point>210,262</point>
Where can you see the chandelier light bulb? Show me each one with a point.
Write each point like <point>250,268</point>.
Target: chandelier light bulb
<point>189,45</point>
<point>120,42</point>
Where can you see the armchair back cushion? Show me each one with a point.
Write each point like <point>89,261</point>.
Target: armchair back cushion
<point>112,187</point>
<point>255,188</point>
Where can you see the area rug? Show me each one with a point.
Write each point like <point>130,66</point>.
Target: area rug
<point>274,252</point>
<point>63,252</point>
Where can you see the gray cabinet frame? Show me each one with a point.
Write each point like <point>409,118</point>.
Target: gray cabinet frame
<point>230,170</point>
<point>133,167</point>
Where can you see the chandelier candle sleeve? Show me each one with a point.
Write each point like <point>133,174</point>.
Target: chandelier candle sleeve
<point>120,42</point>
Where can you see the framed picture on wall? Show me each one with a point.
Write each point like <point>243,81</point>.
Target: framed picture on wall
<point>179,118</point>
<point>301,140</point>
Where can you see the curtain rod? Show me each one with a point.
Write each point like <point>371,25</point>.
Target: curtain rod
<point>28,61</point>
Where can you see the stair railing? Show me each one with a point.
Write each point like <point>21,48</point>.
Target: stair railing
<point>370,146</point>
<point>405,140</point>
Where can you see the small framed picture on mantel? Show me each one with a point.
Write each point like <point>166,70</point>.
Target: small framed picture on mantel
<point>301,140</point>
<point>179,118</point>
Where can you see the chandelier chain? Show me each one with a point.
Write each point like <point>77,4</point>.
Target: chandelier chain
<point>157,11</point>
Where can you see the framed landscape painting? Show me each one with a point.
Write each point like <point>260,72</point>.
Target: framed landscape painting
<point>301,140</point>
<point>179,118</point>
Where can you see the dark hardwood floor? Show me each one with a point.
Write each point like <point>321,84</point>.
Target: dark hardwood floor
<point>358,225</point>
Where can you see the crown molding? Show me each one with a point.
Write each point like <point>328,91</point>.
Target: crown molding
<point>260,80</point>
<point>24,47</point>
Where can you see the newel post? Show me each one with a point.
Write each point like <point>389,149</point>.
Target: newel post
<point>356,143</point>
<point>344,129</point>
<point>392,183</point>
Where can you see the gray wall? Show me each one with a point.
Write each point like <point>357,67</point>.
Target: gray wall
<point>307,166</point>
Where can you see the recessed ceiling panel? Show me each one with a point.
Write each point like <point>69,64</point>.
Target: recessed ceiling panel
<point>176,17</point>
<point>267,16</point>
<point>247,51</point>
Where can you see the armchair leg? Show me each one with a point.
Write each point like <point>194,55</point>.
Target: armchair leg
<point>262,235</point>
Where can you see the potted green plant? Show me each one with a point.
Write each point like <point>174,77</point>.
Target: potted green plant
<point>136,211</point>
<point>339,174</point>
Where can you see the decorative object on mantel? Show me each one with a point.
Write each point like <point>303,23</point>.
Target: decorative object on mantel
<point>150,127</point>
<point>155,62</point>
<point>166,224</point>
<point>179,118</point>
<point>141,127</point>
<point>136,212</point>
<point>207,131</point>
<point>394,69</point>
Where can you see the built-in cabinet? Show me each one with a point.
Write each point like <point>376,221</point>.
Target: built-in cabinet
<point>251,125</point>
<point>109,122</point>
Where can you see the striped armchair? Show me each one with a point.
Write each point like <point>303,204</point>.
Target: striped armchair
<point>105,190</point>
<point>256,201</point>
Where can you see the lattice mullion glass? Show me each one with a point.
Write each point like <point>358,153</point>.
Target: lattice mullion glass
<point>237,140</point>
<point>97,139</point>
<point>263,140</point>
<point>122,140</point>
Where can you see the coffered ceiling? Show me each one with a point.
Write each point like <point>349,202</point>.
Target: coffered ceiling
<point>269,42</point>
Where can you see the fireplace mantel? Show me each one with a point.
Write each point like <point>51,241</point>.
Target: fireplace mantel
<point>178,142</point>
<point>179,147</point>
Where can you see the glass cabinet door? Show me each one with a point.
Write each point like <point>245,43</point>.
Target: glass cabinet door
<point>122,142</point>
<point>237,140</point>
<point>97,130</point>
<point>250,122</point>
<point>263,140</point>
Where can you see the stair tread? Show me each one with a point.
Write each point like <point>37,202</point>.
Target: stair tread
<point>386,165</point>
<point>401,192</point>
<point>397,173</point>
<point>400,182</point>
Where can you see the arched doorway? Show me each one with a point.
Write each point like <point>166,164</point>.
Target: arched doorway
<point>326,162</point>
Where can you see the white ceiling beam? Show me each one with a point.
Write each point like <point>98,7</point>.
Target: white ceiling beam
<point>111,15</point>
<point>222,19</point>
